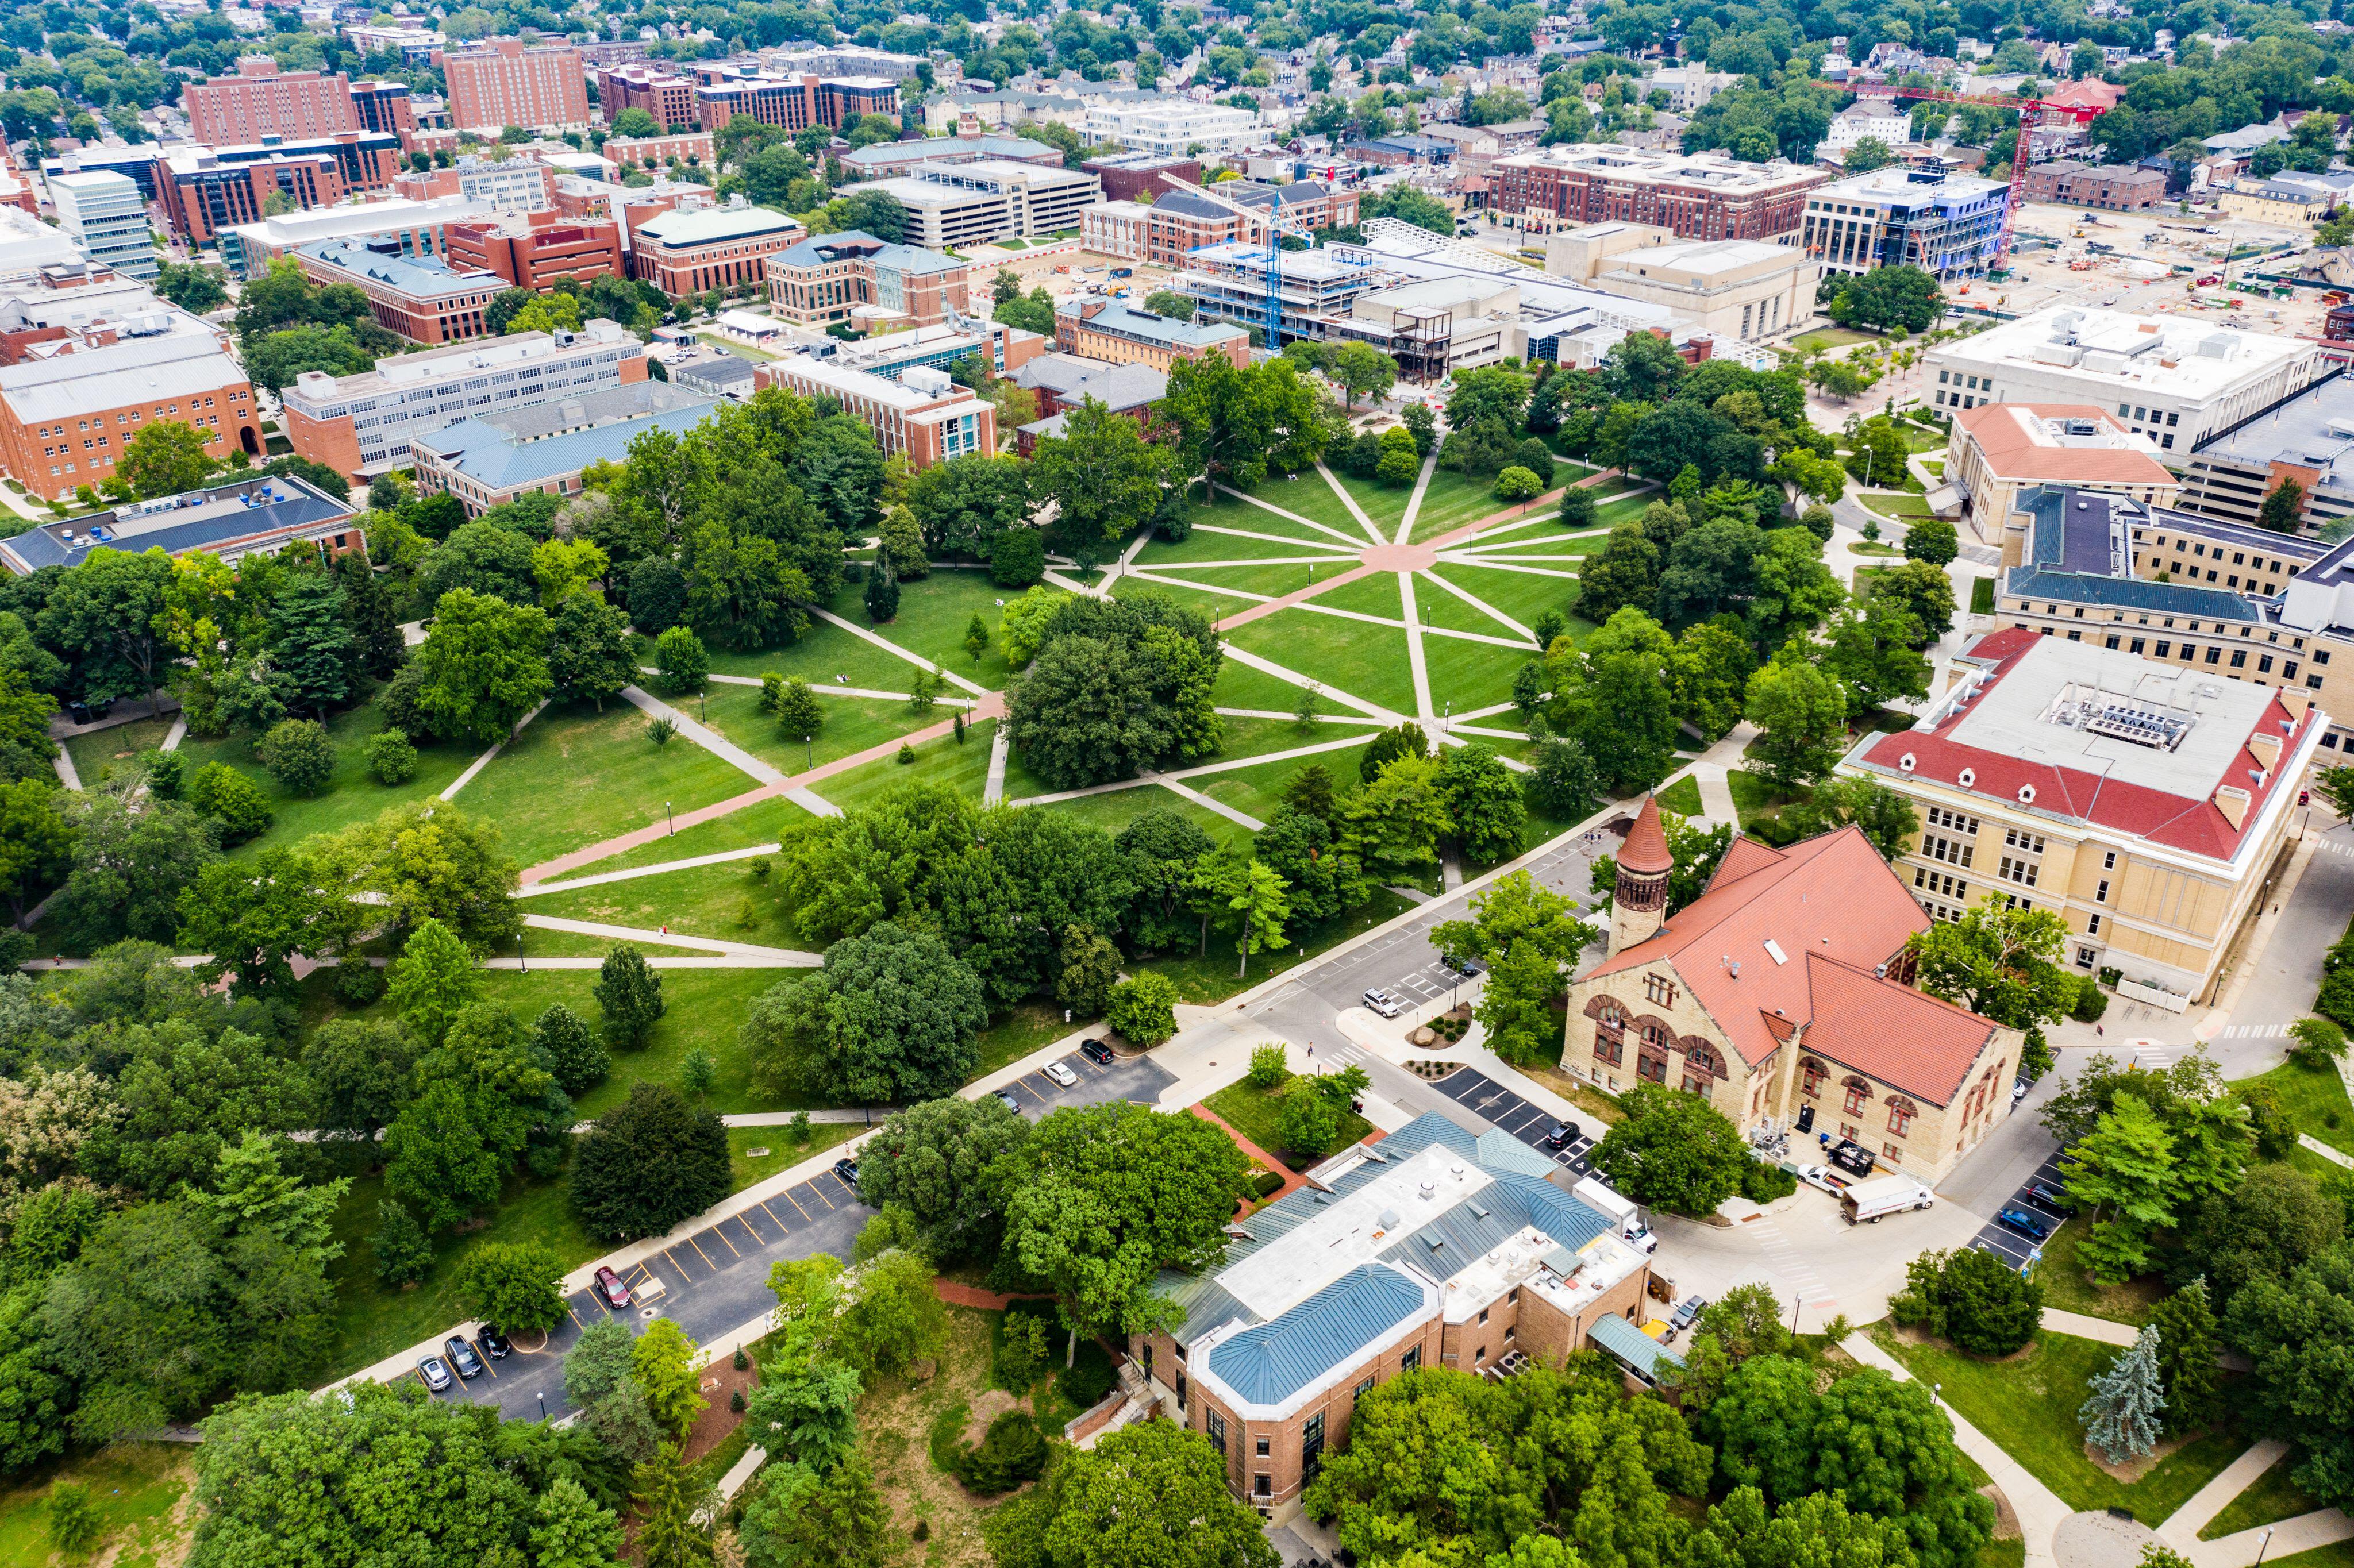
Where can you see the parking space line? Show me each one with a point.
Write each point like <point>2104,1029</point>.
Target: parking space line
<point>701,1254</point>
<point>746,1221</point>
<point>487,1367</point>
<point>575,1316</point>
<point>723,1236</point>
<point>1024,1085</point>
<point>783,1228</point>
<point>796,1203</point>
<point>820,1196</point>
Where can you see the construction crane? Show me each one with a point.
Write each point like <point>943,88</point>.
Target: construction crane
<point>2044,108</point>
<point>1276,226</point>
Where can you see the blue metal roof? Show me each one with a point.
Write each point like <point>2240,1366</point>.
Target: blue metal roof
<point>1630,1345</point>
<point>1469,1230</point>
<point>494,459</point>
<point>2130,593</point>
<point>1268,1364</point>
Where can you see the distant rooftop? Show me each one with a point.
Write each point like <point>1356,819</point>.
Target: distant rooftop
<point>709,225</point>
<point>420,276</point>
<point>197,520</point>
<point>395,371</point>
<point>529,446</point>
<point>2193,358</point>
<point>2313,429</point>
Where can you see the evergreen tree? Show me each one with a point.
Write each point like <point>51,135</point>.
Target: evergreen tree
<point>2283,505</point>
<point>882,594</point>
<point>311,643</point>
<point>630,994</point>
<point>670,1538</point>
<point>402,1252</point>
<point>368,610</point>
<point>564,1045</point>
<point>2122,1417</point>
<point>2185,1325</point>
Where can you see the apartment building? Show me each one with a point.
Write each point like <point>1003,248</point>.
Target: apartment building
<point>887,158</point>
<point>415,45</point>
<point>659,90</point>
<point>2146,803</point>
<point>1997,450</point>
<point>505,81</point>
<point>1946,224</point>
<point>252,517</point>
<point>1694,196</point>
<point>203,191</point>
<point>1178,222</point>
<point>534,252</point>
<point>682,253</point>
<point>423,299</point>
<point>793,103</point>
<point>362,424</point>
<point>1120,334</point>
<point>656,152</point>
<point>922,414</point>
<point>507,184</point>
<point>1173,127</point>
<point>950,205</point>
<point>416,227</point>
<point>2118,187</point>
<point>828,278</point>
<point>385,107</point>
<point>1877,120</point>
<point>1433,1248</point>
<point>541,449</point>
<point>2307,439</point>
<point>2174,380</point>
<point>261,100</point>
<point>64,418</point>
<point>1784,997</point>
<point>102,214</point>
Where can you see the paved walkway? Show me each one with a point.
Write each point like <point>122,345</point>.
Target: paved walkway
<point>710,739</point>
<point>2078,1326</point>
<point>484,761</point>
<point>2181,1528</point>
<point>897,652</point>
<point>1001,750</point>
<point>640,934</point>
<point>2335,1156</point>
<point>1716,794</point>
<point>2040,1512</point>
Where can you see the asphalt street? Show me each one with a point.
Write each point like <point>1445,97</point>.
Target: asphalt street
<point>716,1280</point>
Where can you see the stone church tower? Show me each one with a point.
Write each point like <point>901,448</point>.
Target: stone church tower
<point>1638,904</point>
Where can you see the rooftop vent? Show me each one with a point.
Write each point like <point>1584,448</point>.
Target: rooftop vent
<point>1389,1219</point>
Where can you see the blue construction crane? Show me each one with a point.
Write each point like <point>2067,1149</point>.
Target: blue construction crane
<point>1276,226</point>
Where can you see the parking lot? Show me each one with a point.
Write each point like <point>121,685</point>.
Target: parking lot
<point>2014,1248</point>
<point>1137,1078</point>
<point>1508,1112</point>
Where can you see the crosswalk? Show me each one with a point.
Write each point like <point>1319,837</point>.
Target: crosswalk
<point>2251,1032</point>
<point>1791,1265</point>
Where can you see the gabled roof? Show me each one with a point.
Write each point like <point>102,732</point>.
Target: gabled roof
<point>1268,1363</point>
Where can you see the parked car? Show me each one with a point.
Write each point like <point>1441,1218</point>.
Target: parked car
<point>1686,1315</point>
<point>1095,1051</point>
<point>847,1170</point>
<point>461,1356</point>
<point>1060,1074</point>
<point>1385,1004</point>
<point>1470,969</point>
<point>1562,1135</point>
<point>609,1288</point>
<point>1006,1098</point>
<point>493,1344</point>
<point>436,1376</point>
<point>2018,1090</point>
<point>2049,1197</point>
<point>2026,1222</point>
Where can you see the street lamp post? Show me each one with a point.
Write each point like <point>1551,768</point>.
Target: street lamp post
<point>667,817</point>
<point>2263,1544</point>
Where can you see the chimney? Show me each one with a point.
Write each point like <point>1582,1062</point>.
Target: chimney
<point>2232,801</point>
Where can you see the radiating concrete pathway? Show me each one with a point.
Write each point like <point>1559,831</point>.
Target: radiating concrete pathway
<point>667,938</point>
<point>484,760</point>
<point>711,740</point>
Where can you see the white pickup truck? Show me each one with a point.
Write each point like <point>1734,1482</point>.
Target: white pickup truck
<point>1869,1200</point>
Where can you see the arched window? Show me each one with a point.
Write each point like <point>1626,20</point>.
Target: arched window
<point>1858,1095</point>
<point>1702,1058</point>
<point>1810,1077</point>
<point>1901,1112</point>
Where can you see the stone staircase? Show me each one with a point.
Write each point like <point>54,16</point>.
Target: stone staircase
<point>1136,1402</point>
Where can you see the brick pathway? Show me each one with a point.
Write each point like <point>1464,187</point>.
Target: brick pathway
<point>957,1295</point>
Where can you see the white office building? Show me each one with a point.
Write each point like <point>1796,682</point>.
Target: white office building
<point>1175,127</point>
<point>972,203</point>
<point>102,213</point>
<point>2176,381</point>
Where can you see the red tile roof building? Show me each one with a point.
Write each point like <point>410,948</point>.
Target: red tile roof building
<point>1782,991</point>
<point>2146,803</point>
<point>1997,450</point>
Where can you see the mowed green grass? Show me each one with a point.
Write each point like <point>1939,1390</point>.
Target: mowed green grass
<point>1375,593</point>
<point>2029,1404</point>
<point>1366,661</point>
<point>135,1487</point>
<point>1241,686</point>
<point>1313,496</point>
<point>935,615</point>
<point>851,724</point>
<point>2315,1100</point>
<point>576,777</point>
<point>1257,1114</point>
<point>1524,595</point>
<point>1455,499</point>
<point>1204,545</point>
<point>963,767</point>
<point>1115,810</point>
<point>2273,1497</point>
<point>94,755</point>
<point>726,902</point>
<point>1268,579</point>
<point>1385,507</point>
<point>819,656</point>
<point>1209,601</point>
<point>1470,674</point>
<point>352,794</point>
<point>1259,790</point>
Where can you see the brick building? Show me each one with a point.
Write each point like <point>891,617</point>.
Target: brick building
<point>1119,334</point>
<point>541,448</point>
<point>533,251</point>
<point>1998,449</point>
<point>204,190</point>
<point>64,418</point>
<point>415,227</point>
<point>659,89</point>
<point>1137,176</point>
<point>508,82</point>
<point>423,299</point>
<point>2119,188</point>
<point>509,184</point>
<point>789,102</point>
<point>716,247</point>
<point>655,151</point>
<point>261,100</point>
<point>1061,382</point>
<point>1694,196</point>
<point>1782,996</point>
<point>385,106</point>
<point>1433,1248</point>
<point>824,279</point>
<point>923,414</point>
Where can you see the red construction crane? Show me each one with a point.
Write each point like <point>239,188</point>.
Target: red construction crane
<point>2044,110</point>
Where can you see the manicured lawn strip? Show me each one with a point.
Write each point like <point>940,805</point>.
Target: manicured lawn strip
<point>1754,801</point>
<point>2316,1102</point>
<point>725,902</point>
<point>1367,661</point>
<point>1889,504</point>
<point>576,777</point>
<point>352,794</point>
<point>135,1487</point>
<point>2029,1405</point>
<point>1618,484</point>
<point>1682,798</point>
<point>1204,545</point>
<point>1114,810</point>
<point>851,724</point>
<point>2273,1497</point>
<point>933,614</point>
<point>1257,1114</point>
<point>2011,1553</point>
<point>1217,606</point>
<point>817,656</point>
<point>1312,497</point>
<point>1300,499</point>
<point>1538,542</point>
<point>1385,505</point>
<point>94,753</point>
<point>964,769</point>
<point>1241,686</point>
<point>1259,790</point>
<point>1202,979</point>
<point>1523,596</point>
<point>1470,674</point>
<point>1455,499</point>
<point>1375,593</point>
<point>1271,579</point>
<point>1250,738</point>
<point>744,1169</point>
<point>762,823</point>
<point>1021,783</point>
<point>1831,337</point>
<point>2067,1286</point>
<point>1627,509</point>
<point>2337,1555</point>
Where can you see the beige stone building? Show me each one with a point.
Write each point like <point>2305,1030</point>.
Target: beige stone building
<point>1781,996</point>
<point>2149,803</point>
<point>1997,450</point>
<point>1739,288</point>
<point>1431,1248</point>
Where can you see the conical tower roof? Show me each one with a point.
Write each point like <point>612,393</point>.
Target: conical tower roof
<point>1645,848</point>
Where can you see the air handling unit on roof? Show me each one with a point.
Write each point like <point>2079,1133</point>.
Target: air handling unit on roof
<point>2095,712</point>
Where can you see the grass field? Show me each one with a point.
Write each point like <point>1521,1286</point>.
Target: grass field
<point>936,612</point>
<point>101,751</point>
<point>137,1489</point>
<point>2315,1100</point>
<point>1259,790</point>
<point>1455,499</point>
<point>614,781</point>
<point>1890,504</point>
<point>2273,1497</point>
<point>1524,595</point>
<point>2067,1286</point>
<point>824,655</point>
<point>1831,337</point>
<point>1366,661</point>
<point>1257,1114</point>
<point>851,724</point>
<point>1682,798</point>
<point>352,794</point>
<point>2029,1404</point>
<point>962,767</point>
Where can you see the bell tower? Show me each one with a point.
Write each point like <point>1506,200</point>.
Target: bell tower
<point>1638,904</point>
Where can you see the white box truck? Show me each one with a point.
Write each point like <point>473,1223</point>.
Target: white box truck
<point>1869,1201</point>
<point>1621,1212</point>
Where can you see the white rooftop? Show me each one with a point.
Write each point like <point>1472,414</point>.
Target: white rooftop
<point>400,370</point>
<point>2189,358</point>
<point>137,370</point>
<point>1355,1230</point>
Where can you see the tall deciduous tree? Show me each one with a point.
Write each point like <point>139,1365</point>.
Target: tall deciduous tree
<point>1674,1151</point>
<point>483,666</point>
<point>1150,1495</point>
<point>891,1015</point>
<point>1103,476</point>
<point>434,980</point>
<point>940,1159</point>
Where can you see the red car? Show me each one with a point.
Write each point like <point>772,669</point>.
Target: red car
<point>610,1286</point>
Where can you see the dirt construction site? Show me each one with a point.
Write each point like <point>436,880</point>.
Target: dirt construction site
<point>2160,263</point>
